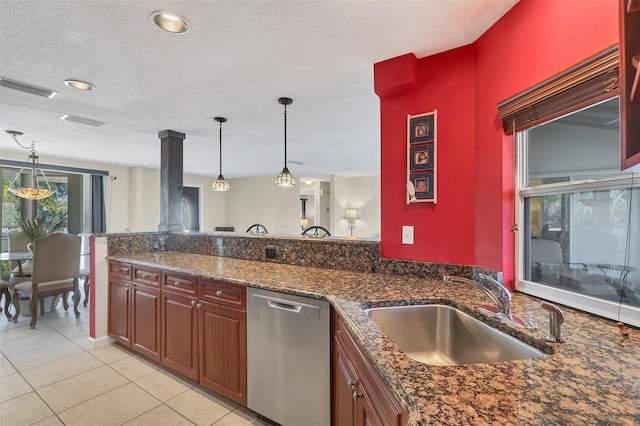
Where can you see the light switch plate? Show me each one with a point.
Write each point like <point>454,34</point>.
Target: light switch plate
<point>407,235</point>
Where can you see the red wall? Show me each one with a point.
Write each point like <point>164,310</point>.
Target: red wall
<point>471,222</point>
<point>445,82</point>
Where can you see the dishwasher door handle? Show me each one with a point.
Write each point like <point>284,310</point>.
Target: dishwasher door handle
<point>292,306</point>
<point>284,306</point>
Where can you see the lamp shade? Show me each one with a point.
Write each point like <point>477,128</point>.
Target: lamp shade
<point>351,214</point>
<point>33,191</point>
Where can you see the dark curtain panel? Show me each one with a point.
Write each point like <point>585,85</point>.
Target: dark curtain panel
<point>99,217</point>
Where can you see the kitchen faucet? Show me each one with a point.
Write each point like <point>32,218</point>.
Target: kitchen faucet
<point>500,295</point>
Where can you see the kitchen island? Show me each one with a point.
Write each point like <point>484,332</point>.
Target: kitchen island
<point>594,378</point>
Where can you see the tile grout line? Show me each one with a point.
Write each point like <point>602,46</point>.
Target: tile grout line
<point>35,392</point>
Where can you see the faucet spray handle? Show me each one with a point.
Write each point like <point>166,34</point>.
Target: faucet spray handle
<point>556,318</point>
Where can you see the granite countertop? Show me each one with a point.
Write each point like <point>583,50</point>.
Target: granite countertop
<point>594,378</point>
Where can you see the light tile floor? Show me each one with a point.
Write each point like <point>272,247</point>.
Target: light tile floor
<point>50,376</point>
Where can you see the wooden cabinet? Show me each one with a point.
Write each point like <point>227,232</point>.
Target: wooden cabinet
<point>223,350</point>
<point>134,311</point>
<point>120,310</point>
<point>630,81</point>
<point>344,386</point>
<point>145,320</point>
<point>197,327</point>
<point>360,397</point>
<point>180,324</point>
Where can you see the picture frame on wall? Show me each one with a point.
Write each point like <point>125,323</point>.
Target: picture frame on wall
<point>422,157</point>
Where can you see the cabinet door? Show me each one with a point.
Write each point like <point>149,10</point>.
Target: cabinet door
<point>629,16</point>
<point>120,310</point>
<point>344,386</point>
<point>366,413</point>
<point>223,350</point>
<point>180,333</point>
<point>145,330</point>
<point>374,404</point>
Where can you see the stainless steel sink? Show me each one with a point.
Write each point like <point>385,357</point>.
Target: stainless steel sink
<point>443,335</point>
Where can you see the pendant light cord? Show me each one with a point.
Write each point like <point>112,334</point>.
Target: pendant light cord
<point>220,149</point>
<point>285,135</point>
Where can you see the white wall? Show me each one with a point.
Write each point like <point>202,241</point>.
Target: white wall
<point>362,193</point>
<point>132,196</point>
<point>259,200</point>
<point>145,200</point>
<point>212,203</point>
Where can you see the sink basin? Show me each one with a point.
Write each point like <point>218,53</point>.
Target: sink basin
<point>443,335</point>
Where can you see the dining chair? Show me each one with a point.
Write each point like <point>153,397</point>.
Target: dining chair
<point>55,271</point>
<point>85,270</point>
<point>17,241</point>
<point>85,275</point>
<point>4,292</point>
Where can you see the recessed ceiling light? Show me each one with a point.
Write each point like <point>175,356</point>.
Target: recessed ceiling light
<point>308,181</point>
<point>169,21</point>
<point>78,84</point>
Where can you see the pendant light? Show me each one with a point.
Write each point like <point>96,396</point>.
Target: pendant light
<point>285,179</point>
<point>220,184</point>
<point>33,191</point>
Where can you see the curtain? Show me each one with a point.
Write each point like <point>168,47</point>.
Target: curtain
<point>99,217</point>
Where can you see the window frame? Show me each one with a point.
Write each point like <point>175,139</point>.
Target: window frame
<point>604,308</point>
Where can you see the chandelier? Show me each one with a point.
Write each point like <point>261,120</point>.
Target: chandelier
<point>33,191</point>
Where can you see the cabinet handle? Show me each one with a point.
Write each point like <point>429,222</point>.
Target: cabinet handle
<point>193,303</point>
<point>219,293</point>
<point>356,394</point>
<point>199,305</point>
<point>352,384</point>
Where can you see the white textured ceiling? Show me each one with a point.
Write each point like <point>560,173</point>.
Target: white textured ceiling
<point>236,60</point>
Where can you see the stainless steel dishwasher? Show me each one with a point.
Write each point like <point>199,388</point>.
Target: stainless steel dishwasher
<point>288,350</point>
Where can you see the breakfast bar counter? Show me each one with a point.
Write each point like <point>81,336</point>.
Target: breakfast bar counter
<point>594,378</point>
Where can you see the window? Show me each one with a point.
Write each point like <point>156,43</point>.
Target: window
<point>580,215</point>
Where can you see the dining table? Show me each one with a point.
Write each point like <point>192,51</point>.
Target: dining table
<point>17,256</point>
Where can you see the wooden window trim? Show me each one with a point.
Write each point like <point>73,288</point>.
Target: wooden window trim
<point>591,81</point>
<point>629,15</point>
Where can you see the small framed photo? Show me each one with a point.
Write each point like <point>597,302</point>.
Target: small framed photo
<point>421,157</point>
<point>421,128</point>
<point>424,186</point>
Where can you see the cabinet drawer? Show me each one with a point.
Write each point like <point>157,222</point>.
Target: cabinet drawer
<point>177,282</point>
<point>225,293</point>
<point>146,276</point>
<point>119,269</point>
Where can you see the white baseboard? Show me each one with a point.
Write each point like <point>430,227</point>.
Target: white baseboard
<point>99,342</point>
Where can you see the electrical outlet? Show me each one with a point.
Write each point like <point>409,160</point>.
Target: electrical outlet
<point>271,252</point>
<point>407,235</point>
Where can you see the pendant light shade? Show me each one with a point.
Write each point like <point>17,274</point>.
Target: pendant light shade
<point>33,191</point>
<point>285,179</point>
<point>220,184</point>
